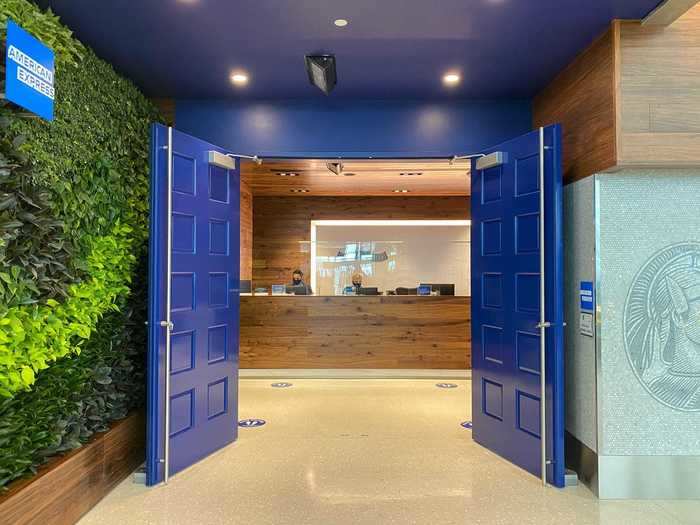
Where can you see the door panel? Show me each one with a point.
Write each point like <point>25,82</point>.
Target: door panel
<point>506,297</point>
<point>204,304</point>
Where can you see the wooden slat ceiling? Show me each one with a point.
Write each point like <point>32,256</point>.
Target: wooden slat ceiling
<point>372,177</point>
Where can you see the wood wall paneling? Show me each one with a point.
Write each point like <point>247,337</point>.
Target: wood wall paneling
<point>246,226</point>
<point>668,12</point>
<point>355,332</point>
<point>68,486</point>
<point>582,99</point>
<point>632,99</point>
<point>282,225</point>
<point>660,93</point>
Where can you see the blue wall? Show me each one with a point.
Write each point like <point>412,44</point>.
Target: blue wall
<point>358,128</point>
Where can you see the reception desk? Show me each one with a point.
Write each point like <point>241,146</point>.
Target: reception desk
<point>379,332</point>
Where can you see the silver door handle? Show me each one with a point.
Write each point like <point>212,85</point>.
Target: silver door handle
<point>547,324</point>
<point>167,324</point>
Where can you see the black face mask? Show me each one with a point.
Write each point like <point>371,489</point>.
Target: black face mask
<point>297,280</point>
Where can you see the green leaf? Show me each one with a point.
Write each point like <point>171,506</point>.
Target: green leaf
<point>73,241</point>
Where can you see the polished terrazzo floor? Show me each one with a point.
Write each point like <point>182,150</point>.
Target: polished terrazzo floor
<point>365,452</point>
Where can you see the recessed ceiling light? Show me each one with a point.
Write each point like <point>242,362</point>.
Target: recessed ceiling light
<point>411,174</point>
<point>299,190</point>
<point>287,174</point>
<point>451,79</point>
<point>239,78</point>
<point>341,22</point>
<point>348,174</point>
<point>403,190</point>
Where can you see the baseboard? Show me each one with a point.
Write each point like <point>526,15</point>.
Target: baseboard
<point>649,477</point>
<point>351,373</point>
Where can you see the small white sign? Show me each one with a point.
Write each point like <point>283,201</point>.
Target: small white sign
<point>586,324</point>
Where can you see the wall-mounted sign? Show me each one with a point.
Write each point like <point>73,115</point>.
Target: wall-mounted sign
<point>585,323</point>
<point>587,296</point>
<point>29,72</point>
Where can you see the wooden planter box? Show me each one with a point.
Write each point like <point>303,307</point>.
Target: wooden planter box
<point>70,485</point>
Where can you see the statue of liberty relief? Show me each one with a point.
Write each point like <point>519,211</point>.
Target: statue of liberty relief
<point>662,326</point>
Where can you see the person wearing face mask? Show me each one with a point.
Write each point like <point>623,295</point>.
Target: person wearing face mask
<point>298,285</point>
<point>357,282</point>
<point>356,285</point>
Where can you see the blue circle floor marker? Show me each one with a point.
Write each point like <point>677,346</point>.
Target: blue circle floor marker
<point>467,424</point>
<point>446,385</point>
<point>281,385</point>
<point>251,423</point>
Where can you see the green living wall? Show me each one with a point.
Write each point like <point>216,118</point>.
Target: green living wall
<point>73,239</point>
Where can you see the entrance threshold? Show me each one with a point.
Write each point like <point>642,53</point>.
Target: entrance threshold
<point>351,373</point>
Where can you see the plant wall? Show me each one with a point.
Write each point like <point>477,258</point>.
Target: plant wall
<point>73,236</point>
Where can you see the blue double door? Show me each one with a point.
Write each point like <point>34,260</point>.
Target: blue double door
<point>193,302</point>
<point>517,319</point>
<point>517,303</point>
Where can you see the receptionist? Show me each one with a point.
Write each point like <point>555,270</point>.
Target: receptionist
<point>298,285</point>
<point>356,284</point>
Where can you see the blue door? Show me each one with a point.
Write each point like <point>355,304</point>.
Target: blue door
<point>516,254</point>
<point>193,302</point>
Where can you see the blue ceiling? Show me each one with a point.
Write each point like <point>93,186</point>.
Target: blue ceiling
<point>395,49</point>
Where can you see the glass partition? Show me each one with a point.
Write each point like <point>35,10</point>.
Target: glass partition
<point>390,257</point>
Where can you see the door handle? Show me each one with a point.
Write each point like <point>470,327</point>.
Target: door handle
<point>167,324</point>
<point>547,324</point>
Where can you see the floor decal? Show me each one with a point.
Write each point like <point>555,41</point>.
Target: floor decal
<point>250,423</point>
<point>446,385</point>
<point>281,385</point>
<point>467,424</point>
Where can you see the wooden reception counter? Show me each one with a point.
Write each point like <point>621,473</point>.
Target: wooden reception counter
<point>355,332</point>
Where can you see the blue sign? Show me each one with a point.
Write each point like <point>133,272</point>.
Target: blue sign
<point>467,424</point>
<point>29,72</point>
<point>281,385</point>
<point>446,385</point>
<point>587,296</point>
<point>251,423</point>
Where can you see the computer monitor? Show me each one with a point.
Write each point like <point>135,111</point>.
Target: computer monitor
<point>369,291</point>
<point>299,289</point>
<point>442,289</point>
<point>423,289</point>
